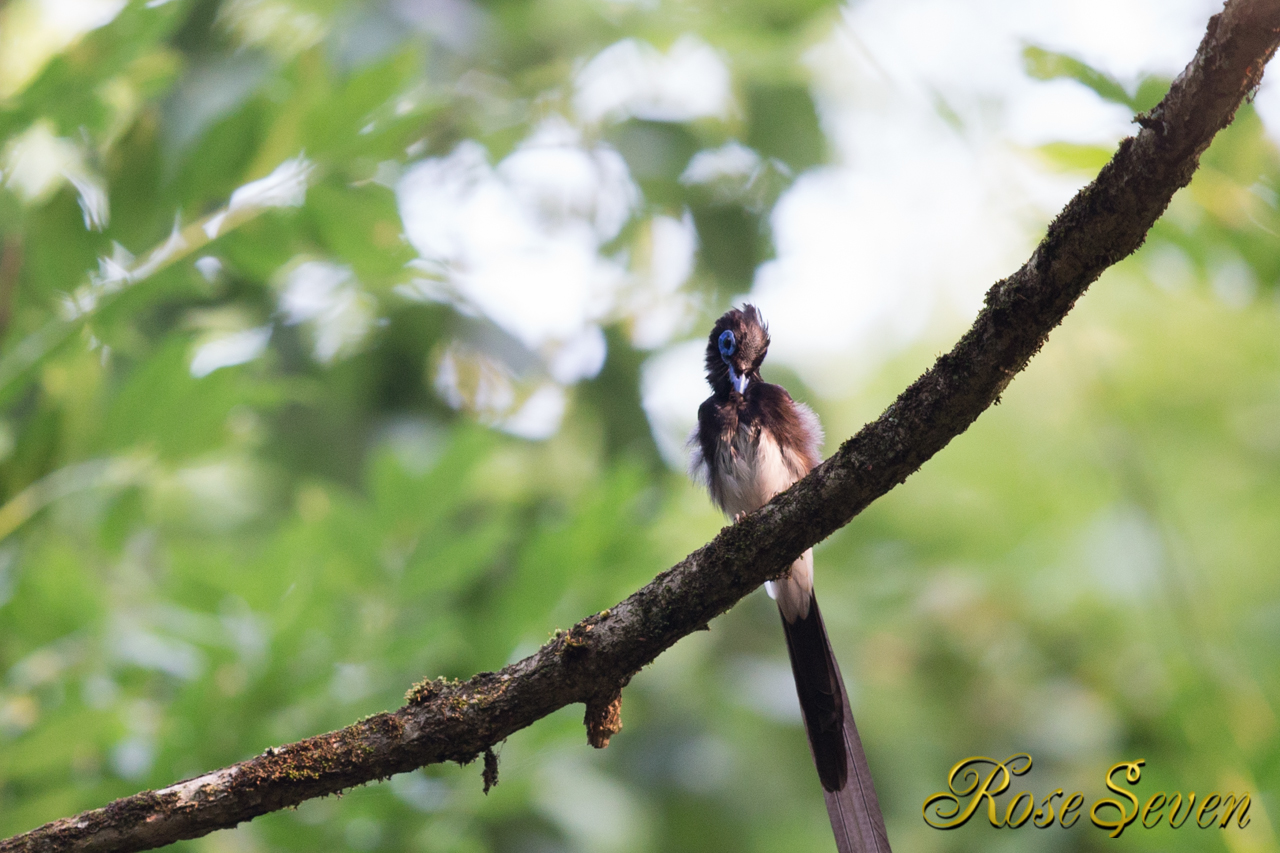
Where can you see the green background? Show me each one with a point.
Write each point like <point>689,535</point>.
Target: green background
<point>194,569</point>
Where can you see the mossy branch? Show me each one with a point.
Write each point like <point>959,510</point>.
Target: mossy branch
<point>461,721</point>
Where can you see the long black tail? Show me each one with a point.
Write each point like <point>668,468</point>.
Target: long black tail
<point>833,738</point>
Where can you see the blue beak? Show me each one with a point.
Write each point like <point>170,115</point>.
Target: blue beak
<point>739,383</point>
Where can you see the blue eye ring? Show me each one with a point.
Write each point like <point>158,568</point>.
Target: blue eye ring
<point>728,343</point>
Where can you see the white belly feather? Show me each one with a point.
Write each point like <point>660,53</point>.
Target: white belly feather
<point>750,472</point>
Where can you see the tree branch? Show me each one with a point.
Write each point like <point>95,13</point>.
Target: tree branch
<point>443,721</point>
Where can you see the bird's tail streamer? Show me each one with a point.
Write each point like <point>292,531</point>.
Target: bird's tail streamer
<point>833,737</point>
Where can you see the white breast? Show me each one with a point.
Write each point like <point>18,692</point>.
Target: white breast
<point>750,471</point>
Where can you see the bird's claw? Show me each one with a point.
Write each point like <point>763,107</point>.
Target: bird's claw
<point>738,516</point>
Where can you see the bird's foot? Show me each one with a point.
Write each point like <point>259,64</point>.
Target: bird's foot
<point>738,516</point>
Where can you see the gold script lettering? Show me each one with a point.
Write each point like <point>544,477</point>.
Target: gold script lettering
<point>1073,804</point>
<point>965,780</point>
<point>1209,805</point>
<point>1175,805</point>
<point>1157,803</point>
<point>1044,814</point>
<point>1015,822</point>
<point>1230,804</point>
<point>1133,772</point>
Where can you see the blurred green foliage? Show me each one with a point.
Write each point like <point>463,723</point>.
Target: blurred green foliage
<point>196,567</point>
<point>1042,64</point>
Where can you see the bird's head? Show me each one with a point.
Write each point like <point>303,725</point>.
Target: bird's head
<point>736,348</point>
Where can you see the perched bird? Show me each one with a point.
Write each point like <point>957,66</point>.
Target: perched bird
<point>752,442</point>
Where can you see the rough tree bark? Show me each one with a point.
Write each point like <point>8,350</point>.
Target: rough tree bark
<point>590,663</point>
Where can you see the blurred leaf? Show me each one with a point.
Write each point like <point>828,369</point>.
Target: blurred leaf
<point>1077,158</point>
<point>362,226</point>
<point>731,245</point>
<point>784,124</point>
<point>197,568</point>
<point>1048,65</point>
